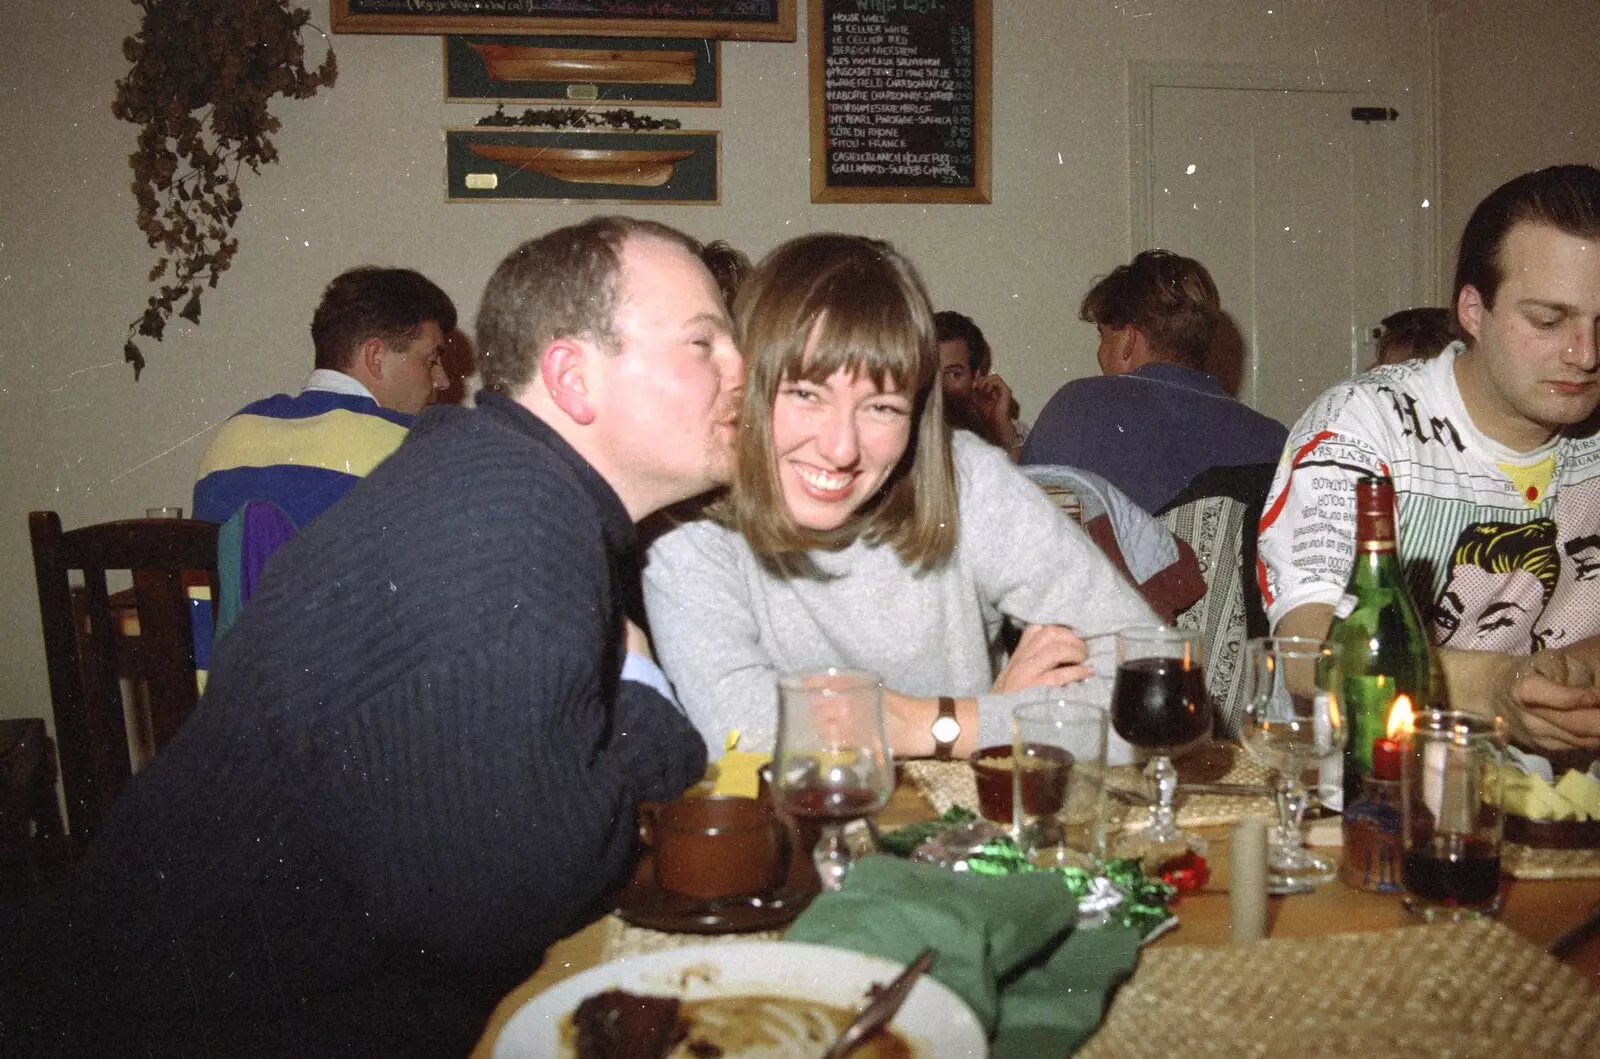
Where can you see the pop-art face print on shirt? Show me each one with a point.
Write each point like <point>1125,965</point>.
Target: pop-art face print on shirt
<point>1573,612</point>
<point>1501,577</point>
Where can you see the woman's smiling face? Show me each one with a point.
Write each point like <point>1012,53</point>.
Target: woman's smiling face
<point>837,441</point>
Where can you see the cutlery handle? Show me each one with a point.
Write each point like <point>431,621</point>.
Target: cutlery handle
<point>881,1008</point>
<point>1574,939</point>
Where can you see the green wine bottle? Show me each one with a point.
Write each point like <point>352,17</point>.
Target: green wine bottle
<point>1384,648</point>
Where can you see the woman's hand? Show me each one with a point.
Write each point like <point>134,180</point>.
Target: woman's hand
<point>1046,656</point>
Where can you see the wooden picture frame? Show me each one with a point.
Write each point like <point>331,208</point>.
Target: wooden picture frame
<point>670,71</point>
<point>901,101</point>
<point>772,20</point>
<point>488,164</point>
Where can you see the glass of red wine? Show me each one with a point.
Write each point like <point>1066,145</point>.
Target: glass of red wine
<point>1451,815</point>
<point>1159,704</point>
<point>831,760</point>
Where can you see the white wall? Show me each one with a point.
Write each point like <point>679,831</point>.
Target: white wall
<point>361,180</point>
<point>1517,92</point>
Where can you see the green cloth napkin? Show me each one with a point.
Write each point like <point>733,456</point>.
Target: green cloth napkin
<point>1008,946</point>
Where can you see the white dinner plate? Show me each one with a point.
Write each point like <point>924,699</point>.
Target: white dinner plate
<point>934,1021</point>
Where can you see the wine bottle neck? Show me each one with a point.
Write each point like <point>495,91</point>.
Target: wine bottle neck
<point>1375,529</point>
<point>1375,565</point>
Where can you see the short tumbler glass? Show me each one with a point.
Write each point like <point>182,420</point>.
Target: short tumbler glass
<point>1058,767</point>
<point>1451,815</point>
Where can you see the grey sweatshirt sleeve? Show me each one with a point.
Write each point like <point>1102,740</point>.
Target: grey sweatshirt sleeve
<point>703,628</point>
<point>1038,567</point>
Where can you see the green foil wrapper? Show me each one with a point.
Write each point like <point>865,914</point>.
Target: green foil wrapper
<point>1122,893</point>
<point>904,842</point>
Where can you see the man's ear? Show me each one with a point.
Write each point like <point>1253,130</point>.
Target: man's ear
<point>371,357</point>
<point>565,368</point>
<point>1470,309</point>
<point>1133,348</point>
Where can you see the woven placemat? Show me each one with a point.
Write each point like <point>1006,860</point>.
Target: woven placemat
<point>622,939</point>
<point>1536,862</point>
<point>944,783</point>
<point>1464,990</point>
<point>950,783</point>
<point>1195,810</point>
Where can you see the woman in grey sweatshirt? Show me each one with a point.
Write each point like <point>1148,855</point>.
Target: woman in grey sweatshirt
<point>859,533</point>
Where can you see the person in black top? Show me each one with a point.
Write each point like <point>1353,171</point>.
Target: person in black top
<point>417,761</point>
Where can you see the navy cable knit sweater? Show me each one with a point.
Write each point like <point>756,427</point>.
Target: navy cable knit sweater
<point>414,768</point>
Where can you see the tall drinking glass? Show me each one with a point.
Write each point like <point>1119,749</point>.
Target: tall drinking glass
<point>1451,815</point>
<point>831,761</point>
<point>1293,721</point>
<point>1159,704</point>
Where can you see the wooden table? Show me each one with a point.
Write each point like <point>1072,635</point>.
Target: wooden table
<point>1539,911</point>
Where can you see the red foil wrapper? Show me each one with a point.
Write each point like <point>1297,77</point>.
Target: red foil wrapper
<point>1185,873</point>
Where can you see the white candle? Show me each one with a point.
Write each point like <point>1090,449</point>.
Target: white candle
<point>1247,880</point>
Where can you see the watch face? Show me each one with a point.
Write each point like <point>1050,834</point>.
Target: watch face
<point>947,729</point>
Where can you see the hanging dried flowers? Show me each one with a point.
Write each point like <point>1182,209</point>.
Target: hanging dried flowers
<point>203,74</point>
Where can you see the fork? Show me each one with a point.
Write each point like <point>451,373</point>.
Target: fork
<point>880,1009</point>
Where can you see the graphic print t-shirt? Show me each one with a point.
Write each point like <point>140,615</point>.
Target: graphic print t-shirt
<point>1500,549</point>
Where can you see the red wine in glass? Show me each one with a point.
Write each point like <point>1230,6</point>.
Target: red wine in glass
<point>1472,877</point>
<point>830,805</point>
<point>1159,703</point>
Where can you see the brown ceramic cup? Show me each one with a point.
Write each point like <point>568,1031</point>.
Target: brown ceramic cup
<point>714,847</point>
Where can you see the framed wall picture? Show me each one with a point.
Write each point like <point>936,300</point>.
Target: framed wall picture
<point>723,19</point>
<point>677,71</point>
<point>672,167</point>
<point>900,100</point>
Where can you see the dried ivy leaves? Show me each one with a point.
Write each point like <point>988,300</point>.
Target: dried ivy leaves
<point>204,72</point>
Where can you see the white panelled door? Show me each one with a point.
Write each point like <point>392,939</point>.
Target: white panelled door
<point>1292,205</point>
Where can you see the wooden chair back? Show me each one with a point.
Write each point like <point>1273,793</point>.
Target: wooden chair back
<point>90,649</point>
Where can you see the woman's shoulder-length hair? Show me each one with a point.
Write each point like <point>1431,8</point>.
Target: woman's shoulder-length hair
<point>859,305</point>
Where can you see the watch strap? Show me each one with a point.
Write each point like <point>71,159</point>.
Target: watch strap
<point>942,749</point>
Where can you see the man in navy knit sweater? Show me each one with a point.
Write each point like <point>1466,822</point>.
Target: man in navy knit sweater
<point>417,761</point>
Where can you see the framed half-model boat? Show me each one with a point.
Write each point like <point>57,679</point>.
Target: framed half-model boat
<point>595,166</point>
<point>723,19</point>
<point>681,71</point>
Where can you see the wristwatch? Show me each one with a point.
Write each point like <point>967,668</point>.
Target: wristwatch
<point>946,729</point>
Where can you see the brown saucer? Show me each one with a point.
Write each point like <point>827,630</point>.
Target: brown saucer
<point>644,904</point>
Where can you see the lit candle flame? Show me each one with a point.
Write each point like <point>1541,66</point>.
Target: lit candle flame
<point>1400,716</point>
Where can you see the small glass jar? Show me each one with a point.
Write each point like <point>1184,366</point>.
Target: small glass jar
<point>1373,851</point>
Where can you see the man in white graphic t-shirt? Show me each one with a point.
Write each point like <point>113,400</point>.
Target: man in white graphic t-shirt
<point>1494,448</point>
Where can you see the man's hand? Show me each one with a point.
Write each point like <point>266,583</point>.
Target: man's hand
<point>636,642</point>
<point>1046,656</point>
<point>991,396</point>
<point>1555,699</point>
<point>1550,700</point>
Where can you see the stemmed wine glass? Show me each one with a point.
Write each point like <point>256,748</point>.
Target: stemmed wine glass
<point>1293,721</point>
<point>1159,704</point>
<point>831,762</point>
